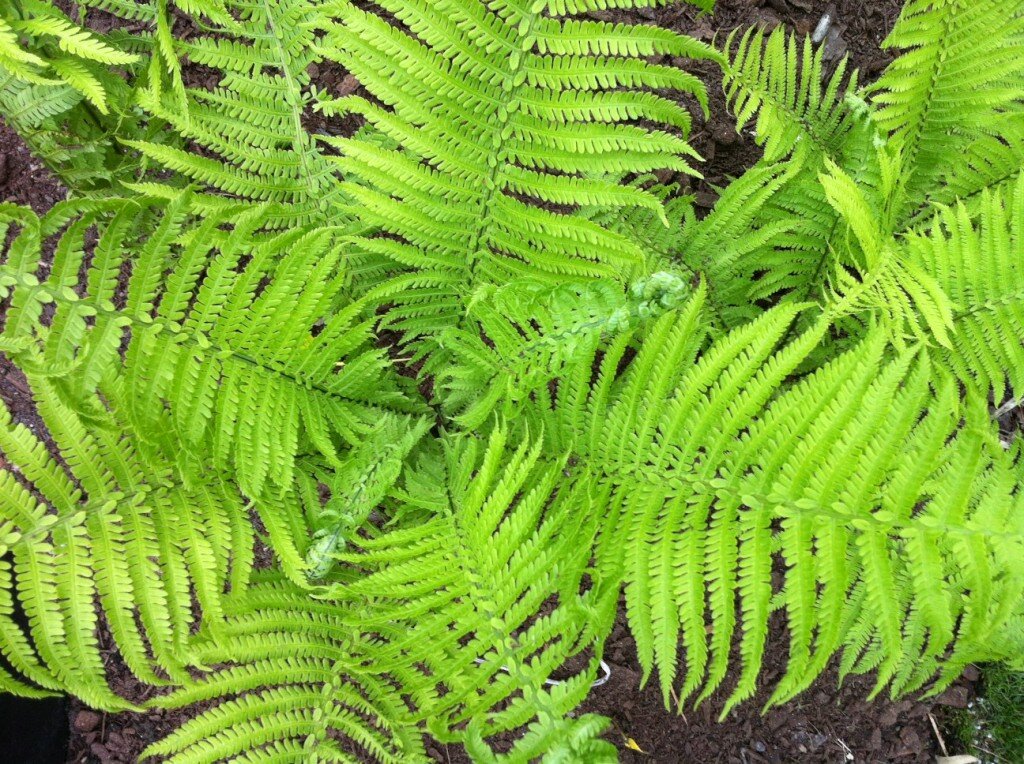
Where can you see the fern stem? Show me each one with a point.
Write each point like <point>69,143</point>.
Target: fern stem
<point>509,97</point>
<point>294,101</point>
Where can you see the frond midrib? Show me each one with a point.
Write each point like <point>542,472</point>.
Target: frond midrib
<point>171,329</point>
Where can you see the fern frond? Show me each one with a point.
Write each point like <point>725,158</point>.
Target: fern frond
<point>528,334</point>
<point>445,609</point>
<point>476,101</point>
<point>468,588</point>
<point>84,57</point>
<point>251,125</point>
<point>101,521</point>
<point>63,89</point>
<point>908,299</point>
<point>972,252</point>
<point>235,332</point>
<point>745,253</point>
<point>783,83</point>
<point>715,473</point>
<point>296,681</point>
<point>959,72</point>
<point>992,164</point>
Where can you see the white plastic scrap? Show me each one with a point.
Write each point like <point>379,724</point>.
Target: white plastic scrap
<point>597,682</point>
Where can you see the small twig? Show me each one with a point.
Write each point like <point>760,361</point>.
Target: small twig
<point>1006,408</point>
<point>846,749</point>
<point>938,735</point>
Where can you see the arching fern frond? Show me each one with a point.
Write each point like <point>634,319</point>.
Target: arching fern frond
<point>480,605</point>
<point>783,84</point>
<point>93,519</point>
<point>716,476</point>
<point>959,72</point>
<point>450,612</point>
<point>973,255</point>
<point>236,333</point>
<point>250,126</point>
<point>297,680</point>
<point>476,97</point>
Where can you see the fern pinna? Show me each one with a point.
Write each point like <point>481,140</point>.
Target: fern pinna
<point>448,351</point>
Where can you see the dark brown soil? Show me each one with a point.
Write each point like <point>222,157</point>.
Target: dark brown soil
<point>23,179</point>
<point>827,724</point>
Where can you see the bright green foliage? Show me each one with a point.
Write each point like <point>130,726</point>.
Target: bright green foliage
<point>957,82</point>
<point>210,334</point>
<point>62,88</point>
<point>107,523</point>
<point>251,123</point>
<point>490,105</point>
<point>978,268</point>
<point>532,332</point>
<point>687,442</point>
<point>361,412</point>
<point>299,675</point>
<point>505,537</point>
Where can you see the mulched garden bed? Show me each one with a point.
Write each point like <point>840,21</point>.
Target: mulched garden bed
<point>826,724</point>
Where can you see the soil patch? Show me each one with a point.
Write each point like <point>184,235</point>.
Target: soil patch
<point>23,178</point>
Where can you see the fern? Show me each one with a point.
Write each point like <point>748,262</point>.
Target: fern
<point>256,147</point>
<point>301,674</point>
<point>974,264</point>
<point>959,75</point>
<point>477,100</point>
<point>783,83</point>
<point>707,445</point>
<point>472,374</point>
<point>62,88</point>
<point>532,333</point>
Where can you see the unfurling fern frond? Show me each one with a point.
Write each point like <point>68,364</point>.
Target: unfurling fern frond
<point>358,486</point>
<point>91,518</point>
<point>233,332</point>
<point>477,98</point>
<point>529,333</point>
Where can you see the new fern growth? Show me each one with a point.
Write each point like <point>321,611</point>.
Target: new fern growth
<point>444,347</point>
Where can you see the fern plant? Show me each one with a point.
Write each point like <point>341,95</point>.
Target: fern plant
<point>444,347</point>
